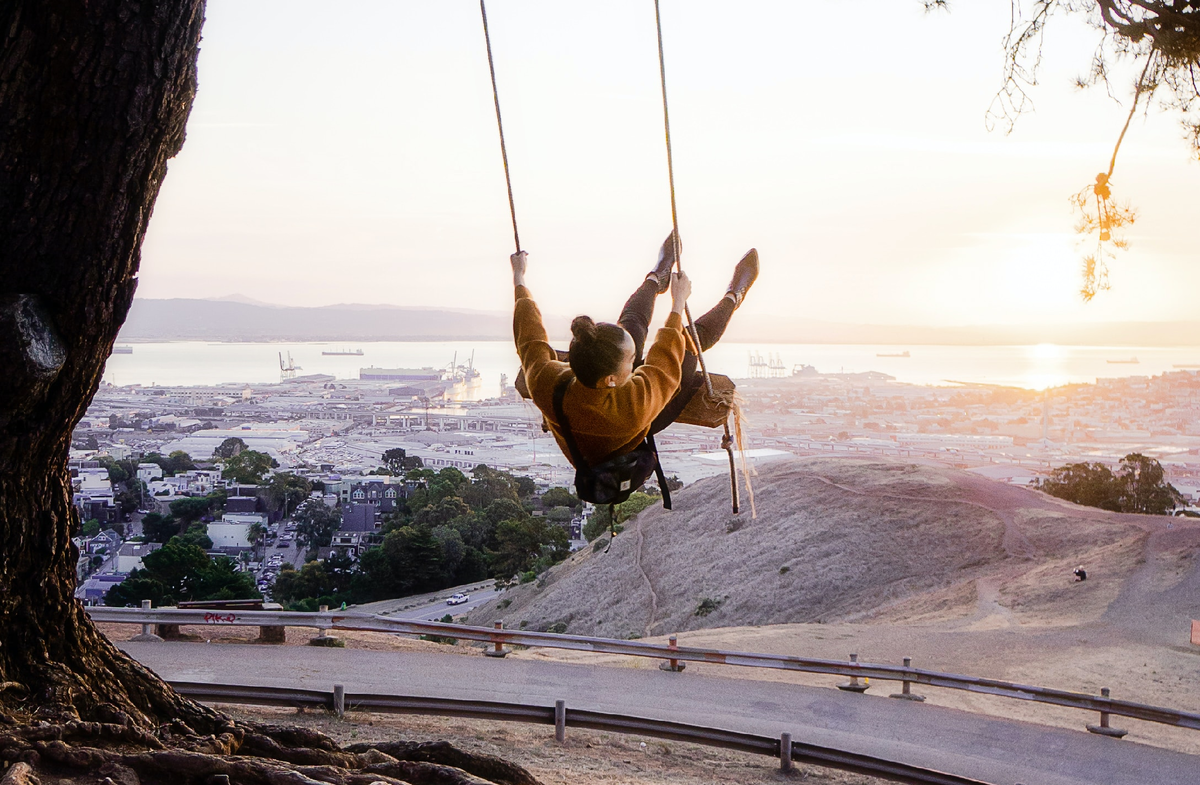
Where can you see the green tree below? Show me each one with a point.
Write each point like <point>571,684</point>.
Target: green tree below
<point>182,571</point>
<point>1138,486</point>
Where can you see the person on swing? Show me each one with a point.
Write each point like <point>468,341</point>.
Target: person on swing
<point>619,392</point>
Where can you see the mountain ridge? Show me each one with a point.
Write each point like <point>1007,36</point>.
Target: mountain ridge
<point>238,318</point>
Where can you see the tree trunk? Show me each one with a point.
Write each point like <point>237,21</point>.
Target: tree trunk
<point>94,96</point>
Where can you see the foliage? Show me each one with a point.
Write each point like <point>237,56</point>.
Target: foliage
<point>409,561</point>
<point>248,467</point>
<point>1158,39</point>
<point>196,534</point>
<point>316,579</point>
<point>598,523</point>
<point>526,487</point>
<point>316,523</point>
<point>159,528</point>
<point>181,571</point>
<point>454,530</point>
<point>128,500</point>
<point>532,543</point>
<point>191,508</point>
<point>559,497</point>
<point>178,461</point>
<point>489,486</point>
<point>256,534</point>
<point>393,461</point>
<point>708,605</point>
<point>1144,486</point>
<point>90,528</point>
<point>118,471</point>
<point>286,490</point>
<point>228,448</point>
<point>1139,485</point>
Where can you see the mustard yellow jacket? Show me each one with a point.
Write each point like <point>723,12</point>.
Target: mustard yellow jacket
<point>608,421</point>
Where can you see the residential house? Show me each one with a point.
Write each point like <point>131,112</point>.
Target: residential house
<point>149,471</point>
<point>129,558</point>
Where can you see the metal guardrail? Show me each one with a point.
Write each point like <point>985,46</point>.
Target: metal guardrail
<point>345,620</point>
<point>784,748</point>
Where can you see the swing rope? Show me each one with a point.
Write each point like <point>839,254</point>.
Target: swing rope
<point>512,209</point>
<point>662,72</point>
<point>727,441</point>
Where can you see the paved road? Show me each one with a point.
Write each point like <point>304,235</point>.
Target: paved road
<point>436,610</point>
<point>995,750</point>
<point>432,606</point>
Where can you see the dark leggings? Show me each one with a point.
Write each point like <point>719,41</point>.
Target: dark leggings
<point>639,308</point>
<point>635,318</point>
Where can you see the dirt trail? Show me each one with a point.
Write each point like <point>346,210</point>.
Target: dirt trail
<point>637,557</point>
<point>1015,542</point>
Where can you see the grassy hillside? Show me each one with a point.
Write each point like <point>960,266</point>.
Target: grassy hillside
<point>851,540</point>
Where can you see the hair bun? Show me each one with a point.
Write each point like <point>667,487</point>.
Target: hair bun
<point>583,328</point>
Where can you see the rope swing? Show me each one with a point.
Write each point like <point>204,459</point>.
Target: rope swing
<point>727,440</point>
<point>512,208</point>
<point>716,406</point>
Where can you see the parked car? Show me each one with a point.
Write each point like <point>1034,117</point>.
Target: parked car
<point>457,599</point>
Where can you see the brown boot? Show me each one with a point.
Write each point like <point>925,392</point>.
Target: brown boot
<point>661,274</point>
<point>744,276</point>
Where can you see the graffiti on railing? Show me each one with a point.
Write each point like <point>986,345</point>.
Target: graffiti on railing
<point>220,618</point>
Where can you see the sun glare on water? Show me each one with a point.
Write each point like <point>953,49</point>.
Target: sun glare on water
<point>1045,367</point>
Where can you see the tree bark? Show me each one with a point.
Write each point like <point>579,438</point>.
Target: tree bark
<point>94,97</point>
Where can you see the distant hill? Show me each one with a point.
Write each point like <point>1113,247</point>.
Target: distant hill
<point>227,320</point>
<point>840,540</point>
<point>238,318</point>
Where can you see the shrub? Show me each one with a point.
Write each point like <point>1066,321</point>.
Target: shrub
<point>328,642</point>
<point>708,605</point>
<point>784,570</point>
<point>558,627</point>
<point>443,639</point>
<point>503,604</point>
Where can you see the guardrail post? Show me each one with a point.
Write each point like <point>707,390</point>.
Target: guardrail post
<point>785,752</point>
<point>1104,729</point>
<point>323,637</point>
<point>146,635</point>
<point>560,721</point>
<point>906,692</point>
<point>673,665</point>
<point>854,685</point>
<point>339,700</point>
<point>499,650</point>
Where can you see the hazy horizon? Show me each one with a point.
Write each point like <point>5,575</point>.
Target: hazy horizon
<point>351,154</point>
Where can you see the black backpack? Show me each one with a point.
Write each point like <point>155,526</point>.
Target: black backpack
<point>612,481</point>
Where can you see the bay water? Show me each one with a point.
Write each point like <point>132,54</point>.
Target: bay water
<point>1039,366</point>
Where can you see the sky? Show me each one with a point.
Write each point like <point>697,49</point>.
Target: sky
<point>348,153</point>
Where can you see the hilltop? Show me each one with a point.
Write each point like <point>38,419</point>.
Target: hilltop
<point>846,540</point>
<point>891,559</point>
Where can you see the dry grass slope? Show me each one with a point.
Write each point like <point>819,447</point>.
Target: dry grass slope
<point>841,540</point>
